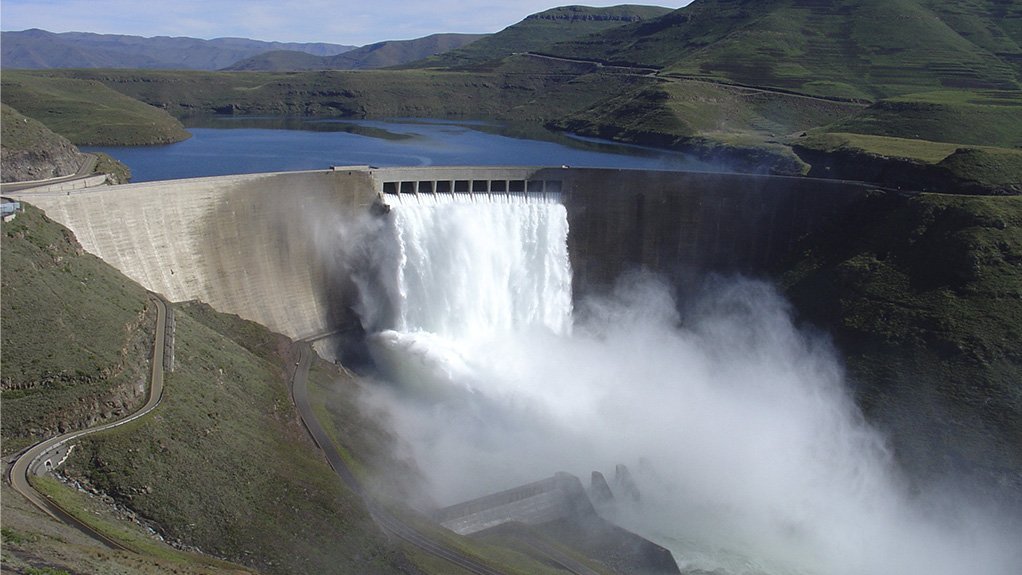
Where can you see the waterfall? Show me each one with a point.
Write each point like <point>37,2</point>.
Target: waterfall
<point>457,270</point>
<point>746,444</point>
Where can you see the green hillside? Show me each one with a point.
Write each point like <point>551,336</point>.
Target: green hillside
<point>846,48</point>
<point>923,295</point>
<point>31,151</point>
<point>70,357</point>
<point>521,90</point>
<point>987,118</point>
<point>279,60</point>
<point>741,128</point>
<point>88,112</point>
<point>378,55</point>
<point>225,465</point>
<point>540,30</point>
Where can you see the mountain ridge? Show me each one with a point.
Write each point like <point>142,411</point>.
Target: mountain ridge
<point>41,49</point>
<point>377,55</point>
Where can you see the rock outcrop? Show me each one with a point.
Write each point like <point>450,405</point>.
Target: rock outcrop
<point>31,151</point>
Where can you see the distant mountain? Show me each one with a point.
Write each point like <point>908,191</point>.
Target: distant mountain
<point>851,48</point>
<point>540,30</point>
<point>379,55</point>
<point>39,49</point>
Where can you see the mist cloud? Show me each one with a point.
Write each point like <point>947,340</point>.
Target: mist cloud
<point>755,458</point>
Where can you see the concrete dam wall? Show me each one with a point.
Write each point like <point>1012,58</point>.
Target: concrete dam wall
<point>268,246</point>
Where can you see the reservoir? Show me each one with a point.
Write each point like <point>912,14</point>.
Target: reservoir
<point>226,146</point>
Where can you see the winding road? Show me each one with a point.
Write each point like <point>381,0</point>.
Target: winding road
<point>26,464</point>
<point>87,169</point>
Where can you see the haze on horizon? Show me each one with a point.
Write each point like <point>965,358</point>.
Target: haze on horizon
<point>353,23</point>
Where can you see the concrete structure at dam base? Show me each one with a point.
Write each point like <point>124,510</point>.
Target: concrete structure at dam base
<point>558,508</point>
<point>273,247</point>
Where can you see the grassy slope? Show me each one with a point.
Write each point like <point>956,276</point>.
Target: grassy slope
<point>66,349</point>
<point>851,48</point>
<point>30,150</point>
<point>985,118</point>
<point>89,113</point>
<point>25,139</point>
<point>709,118</point>
<point>225,465</point>
<point>924,295</point>
<point>539,31</point>
<point>33,540</point>
<point>20,132</point>
<point>519,91</point>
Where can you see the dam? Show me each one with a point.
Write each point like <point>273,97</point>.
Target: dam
<point>747,446</point>
<point>269,247</point>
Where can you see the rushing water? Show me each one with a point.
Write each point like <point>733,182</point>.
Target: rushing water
<point>268,145</point>
<point>750,455</point>
<point>466,269</point>
<point>454,271</point>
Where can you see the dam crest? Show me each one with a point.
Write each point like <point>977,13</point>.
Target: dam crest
<point>268,247</point>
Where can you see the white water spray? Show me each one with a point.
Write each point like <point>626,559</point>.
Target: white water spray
<point>758,461</point>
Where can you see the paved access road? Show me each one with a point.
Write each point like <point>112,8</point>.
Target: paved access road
<point>86,170</point>
<point>24,466</point>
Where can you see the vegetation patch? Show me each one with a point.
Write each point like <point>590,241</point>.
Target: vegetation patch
<point>76,334</point>
<point>224,466</point>
<point>37,541</point>
<point>924,295</point>
<point>31,151</point>
<point>992,118</point>
<point>849,49</point>
<point>539,31</point>
<point>89,113</point>
<point>912,164</point>
<point>994,166</point>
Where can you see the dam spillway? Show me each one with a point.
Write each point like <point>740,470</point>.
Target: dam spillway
<point>500,262</point>
<point>275,248</point>
<point>265,246</point>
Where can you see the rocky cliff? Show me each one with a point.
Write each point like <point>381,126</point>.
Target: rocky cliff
<point>31,151</point>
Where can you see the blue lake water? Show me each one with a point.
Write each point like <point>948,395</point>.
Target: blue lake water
<point>246,146</point>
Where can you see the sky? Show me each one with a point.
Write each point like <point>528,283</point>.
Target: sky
<point>350,22</point>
